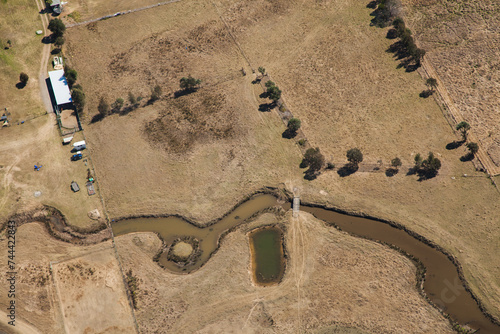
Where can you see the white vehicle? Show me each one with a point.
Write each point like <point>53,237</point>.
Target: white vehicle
<point>80,145</point>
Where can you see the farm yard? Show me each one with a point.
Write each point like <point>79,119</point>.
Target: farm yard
<point>160,149</point>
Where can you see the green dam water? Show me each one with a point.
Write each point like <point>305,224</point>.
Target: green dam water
<point>267,255</point>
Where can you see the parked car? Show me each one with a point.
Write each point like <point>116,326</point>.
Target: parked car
<point>77,156</point>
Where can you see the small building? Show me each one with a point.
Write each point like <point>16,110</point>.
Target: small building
<point>60,88</point>
<point>56,6</point>
<point>74,186</point>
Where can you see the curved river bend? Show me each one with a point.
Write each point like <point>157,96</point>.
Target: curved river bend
<point>442,283</point>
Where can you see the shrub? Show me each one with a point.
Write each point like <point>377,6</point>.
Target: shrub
<point>78,97</point>
<point>189,83</point>
<point>156,93</point>
<point>354,156</point>
<point>269,83</point>
<point>103,107</point>
<point>23,77</point>
<point>302,142</point>
<point>294,125</point>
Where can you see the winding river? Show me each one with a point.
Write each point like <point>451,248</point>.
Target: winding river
<point>442,282</point>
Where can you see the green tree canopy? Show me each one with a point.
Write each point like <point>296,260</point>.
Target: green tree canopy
<point>59,41</point>
<point>57,27</point>
<point>473,148</point>
<point>270,83</point>
<point>274,93</point>
<point>262,70</point>
<point>431,83</point>
<point>23,77</point>
<point>103,107</point>
<point>78,97</point>
<point>314,159</point>
<point>464,128</point>
<point>396,162</point>
<point>294,124</point>
<point>156,93</point>
<point>354,156</point>
<point>431,164</point>
<point>189,83</point>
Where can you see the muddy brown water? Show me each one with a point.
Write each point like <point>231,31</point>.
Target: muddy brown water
<point>442,283</point>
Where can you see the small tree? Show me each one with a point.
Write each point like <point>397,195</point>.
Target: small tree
<point>293,125</point>
<point>431,165</point>
<point>314,159</point>
<point>274,93</point>
<point>71,76</point>
<point>156,93</point>
<point>270,83</point>
<point>78,97</point>
<point>354,156</point>
<point>57,27</point>
<point>431,83</point>
<point>118,104</point>
<point>418,161</point>
<point>418,55</point>
<point>262,70</point>
<point>396,163</point>
<point>131,98</point>
<point>464,128</point>
<point>473,148</point>
<point>189,83</point>
<point>23,77</point>
<point>59,42</point>
<point>103,107</point>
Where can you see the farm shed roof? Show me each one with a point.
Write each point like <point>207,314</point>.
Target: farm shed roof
<point>60,87</point>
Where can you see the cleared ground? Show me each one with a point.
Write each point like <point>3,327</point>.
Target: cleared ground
<point>91,287</point>
<point>333,283</point>
<point>462,39</point>
<point>37,301</point>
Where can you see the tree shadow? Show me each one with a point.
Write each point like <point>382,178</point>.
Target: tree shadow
<point>263,95</point>
<point>20,85</point>
<point>310,174</point>
<point>289,134</point>
<point>454,145</point>
<point>347,169</point>
<point>55,51</point>
<point>265,107</point>
<point>372,4</point>
<point>47,39</point>
<point>467,157</point>
<point>183,92</point>
<point>400,52</point>
<point>426,174</point>
<point>412,171</point>
<point>96,118</point>
<point>426,93</point>
<point>390,172</point>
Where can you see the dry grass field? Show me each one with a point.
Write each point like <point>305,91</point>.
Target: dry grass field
<point>38,306</point>
<point>462,39</point>
<point>334,283</point>
<point>336,76</point>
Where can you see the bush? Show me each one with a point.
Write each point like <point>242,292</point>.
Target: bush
<point>103,107</point>
<point>294,125</point>
<point>156,93</point>
<point>23,77</point>
<point>274,93</point>
<point>71,77</point>
<point>269,83</point>
<point>189,83</point>
<point>354,156</point>
<point>78,97</point>
<point>330,165</point>
<point>302,142</point>
<point>118,104</point>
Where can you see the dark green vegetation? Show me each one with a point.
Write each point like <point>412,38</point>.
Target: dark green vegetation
<point>57,28</point>
<point>267,255</point>
<point>464,128</point>
<point>23,80</point>
<point>292,127</point>
<point>189,84</point>
<point>132,287</point>
<point>313,159</point>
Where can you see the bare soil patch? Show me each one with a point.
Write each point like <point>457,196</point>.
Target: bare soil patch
<point>332,278</point>
<point>92,294</point>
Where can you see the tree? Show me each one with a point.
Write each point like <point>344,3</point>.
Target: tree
<point>463,127</point>
<point>189,83</point>
<point>314,159</point>
<point>354,156</point>
<point>293,125</point>
<point>71,76</point>
<point>418,161</point>
<point>78,97</point>
<point>103,107</point>
<point>23,77</point>
<point>431,165</point>
<point>269,84</point>
<point>431,83</point>
<point>156,93</point>
<point>262,70</point>
<point>274,93</point>
<point>418,55</point>
<point>131,98</point>
<point>396,163</point>
<point>118,104</point>
<point>473,148</point>
<point>59,41</point>
<point>57,27</point>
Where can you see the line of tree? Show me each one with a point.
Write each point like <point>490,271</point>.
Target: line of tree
<point>427,168</point>
<point>105,109</point>
<point>407,40</point>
